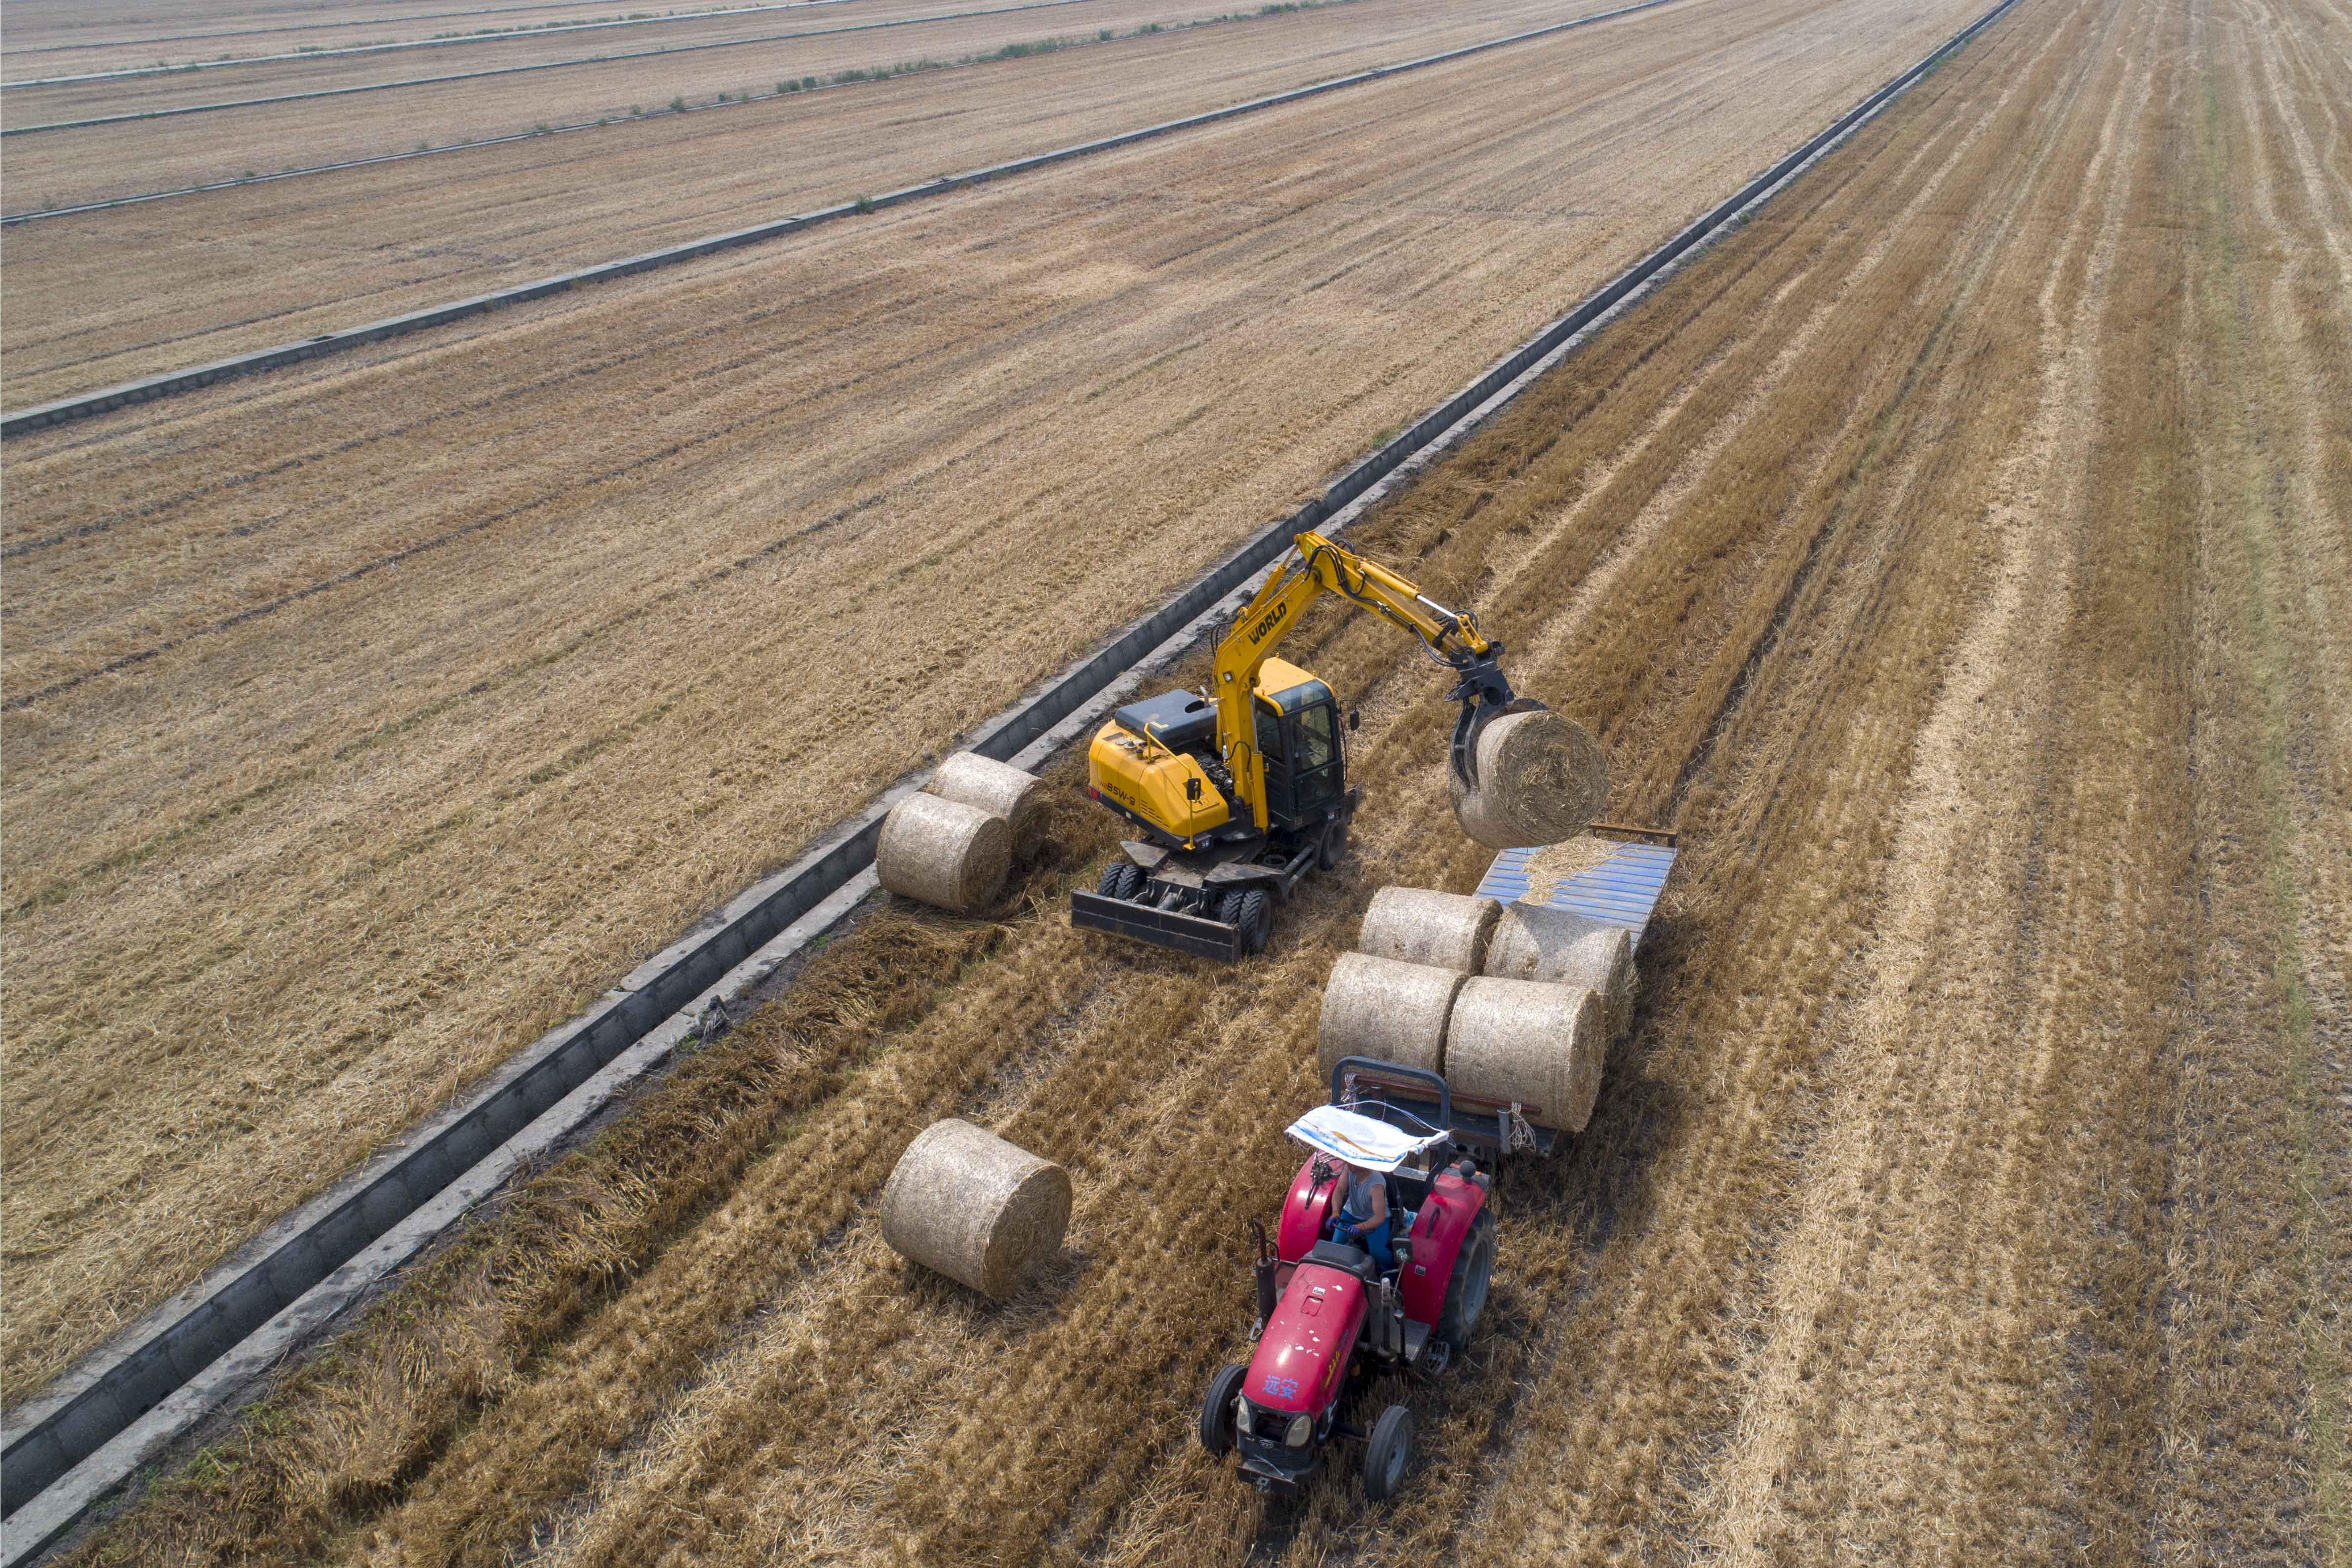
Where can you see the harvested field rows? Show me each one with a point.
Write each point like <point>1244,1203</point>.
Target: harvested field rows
<point>361,728</point>
<point>569,77</point>
<point>52,52</point>
<point>46,29</point>
<point>252,267</point>
<point>1975,1184</point>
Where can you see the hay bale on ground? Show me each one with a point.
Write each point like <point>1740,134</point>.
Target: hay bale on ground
<point>980,1210</point>
<point>1541,779</point>
<point>1416,926</point>
<point>944,853</point>
<point>998,788</point>
<point>1540,1045</point>
<point>1552,946</point>
<point>1387,1009</point>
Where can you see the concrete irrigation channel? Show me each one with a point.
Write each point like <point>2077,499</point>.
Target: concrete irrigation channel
<point>63,410</point>
<point>67,1449</point>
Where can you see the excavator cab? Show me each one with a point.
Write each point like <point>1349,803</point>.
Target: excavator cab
<point>1298,744</point>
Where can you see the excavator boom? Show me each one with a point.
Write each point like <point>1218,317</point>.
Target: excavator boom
<point>1314,566</point>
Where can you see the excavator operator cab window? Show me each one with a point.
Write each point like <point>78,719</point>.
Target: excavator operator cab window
<point>1301,751</point>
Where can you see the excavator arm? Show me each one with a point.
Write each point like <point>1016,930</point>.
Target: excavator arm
<point>1317,565</point>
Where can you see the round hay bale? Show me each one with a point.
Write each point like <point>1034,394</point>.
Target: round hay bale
<point>980,1210</point>
<point>998,788</point>
<point>1540,1045</point>
<point>1386,1009</point>
<point>1552,946</point>
<point>1416,926</point>
<point>1541,779</point>
<point>943,853</point>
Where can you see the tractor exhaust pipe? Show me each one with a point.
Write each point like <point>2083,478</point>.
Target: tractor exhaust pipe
<point>1264,1267</point>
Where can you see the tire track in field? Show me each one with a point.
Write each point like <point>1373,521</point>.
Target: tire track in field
<point>1572,1393</point>
<point>1961,846</point>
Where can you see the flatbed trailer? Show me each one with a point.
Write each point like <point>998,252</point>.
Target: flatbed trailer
<point>1622,890</point>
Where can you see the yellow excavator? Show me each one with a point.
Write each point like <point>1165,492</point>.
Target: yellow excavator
<point>1242,791</point>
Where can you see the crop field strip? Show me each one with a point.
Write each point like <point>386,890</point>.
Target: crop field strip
<point>400,110</point>
<point>56,75</point>
<point>107,400</point>
<point>544,646</point>
<point>1927,1185</point>
<point>368,244</point>
<point>797,88</point>
<point>50,109</point>
<point>40,30</point>
<point>641,1025</point>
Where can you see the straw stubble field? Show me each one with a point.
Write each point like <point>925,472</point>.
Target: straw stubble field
<point>367,720</point>
<point>1974,1184</point>
<point>336,250</point>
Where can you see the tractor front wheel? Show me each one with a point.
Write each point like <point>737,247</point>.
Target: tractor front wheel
<point>1217,1409</point>
<point>1388,1454</point>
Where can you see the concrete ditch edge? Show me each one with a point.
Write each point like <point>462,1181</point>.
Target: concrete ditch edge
<point>751,935</point>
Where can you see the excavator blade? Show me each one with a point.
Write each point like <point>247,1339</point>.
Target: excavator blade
<point>1160,927</point>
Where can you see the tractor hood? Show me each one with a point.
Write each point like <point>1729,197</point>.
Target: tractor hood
<point>1302,1356</point>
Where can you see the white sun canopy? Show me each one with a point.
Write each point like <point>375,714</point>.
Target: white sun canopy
<point>1359,1139</point>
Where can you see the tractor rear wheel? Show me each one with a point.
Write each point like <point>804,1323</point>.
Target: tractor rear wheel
<point>1217,1409</point>
<point>1388,1453</point>
<point>1466,1289</point>
<point>1121,880</point>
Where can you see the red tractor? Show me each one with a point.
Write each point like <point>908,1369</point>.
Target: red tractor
<point>1328,1317</point>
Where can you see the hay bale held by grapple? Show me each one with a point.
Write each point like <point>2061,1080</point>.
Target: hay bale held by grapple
<point>999,789</point>
<point>1541,779</point>
<point>944,853</point>
<point>1416,926</point>
<point>1539,1046</point>
<point>983,1212</point>
<point>1386,1009</point>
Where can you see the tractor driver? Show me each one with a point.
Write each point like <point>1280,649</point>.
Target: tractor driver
<point>1364,1213</point>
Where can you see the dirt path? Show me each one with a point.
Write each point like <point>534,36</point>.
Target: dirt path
<point>363,731</point>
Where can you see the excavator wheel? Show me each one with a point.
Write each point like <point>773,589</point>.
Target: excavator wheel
<point>1120,880</point>
<point>1250,910</point>
<point>1333,846</point>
